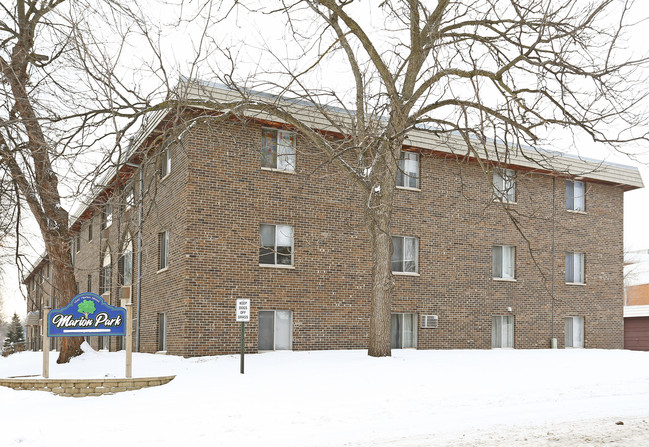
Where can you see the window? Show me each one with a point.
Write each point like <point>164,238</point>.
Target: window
<point>408,175</point>
<point>575,195</point>
<point>77,242</point>
<point>126,264</point>
<point>278,149</point>
<point>107,216</point>
<point>502,332</point>
<point>162,331</point>
<point>90,230</point>
<point>275,330</point>
<point>276,244</point>
<point>574,332</point>
<point>89,283</point>
<point>165,162</point>
<point>405,252</point>
<point>163,250</point>
<point>105,273</point>
<point>504,261</point>
<point>129,198</point>
<point>574,267</point>
<point>403,331</point>
<point>504,183</point>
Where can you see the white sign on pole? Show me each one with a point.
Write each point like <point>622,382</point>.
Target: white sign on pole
<point>243,310</point>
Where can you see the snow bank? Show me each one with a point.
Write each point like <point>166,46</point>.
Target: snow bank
<point>327,398</point>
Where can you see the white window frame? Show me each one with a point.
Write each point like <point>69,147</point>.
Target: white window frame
<point>394,261</point>
<point>575,267</point>
<point>504,185</point>
<point>502,326</point>
<point>165,162</point>
<point>129,198</point>
<point>279,232</point>
<point>107,216</point>
<point>413,321</point>
<point>127,260</point>
<point>572,339</point>
<point>162,332</point>
<point>280,156</point>
<point>576,196</point>
<point>505,270</point>
<point>409,169</point>
<point>163,250</point>
<point>106,273</point>
<point>275,326</point>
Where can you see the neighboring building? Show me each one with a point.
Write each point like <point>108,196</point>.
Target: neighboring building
<point>245,209</point>
<point>636,300</point>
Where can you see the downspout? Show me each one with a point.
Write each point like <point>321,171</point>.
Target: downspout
<point>138,294</point>
<point>553,341</point>
<point>138,286</point>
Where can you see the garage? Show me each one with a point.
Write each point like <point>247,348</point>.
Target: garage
<point>636,328</point>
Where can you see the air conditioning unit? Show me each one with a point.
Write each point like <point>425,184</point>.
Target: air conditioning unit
<point>125,292</point>
<point>106,296</point>
<point>429,321</point>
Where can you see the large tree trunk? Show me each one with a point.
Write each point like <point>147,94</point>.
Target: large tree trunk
<point>378,225</point>
<point>38,183</point>
<point>378,219</point>
<point>65,286</point>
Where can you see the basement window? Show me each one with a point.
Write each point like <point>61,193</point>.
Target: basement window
<point>403,331</point>
<point>574,332</point>
<point>275,330</point>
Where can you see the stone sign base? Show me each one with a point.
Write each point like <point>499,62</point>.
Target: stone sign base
<point>84,387</point>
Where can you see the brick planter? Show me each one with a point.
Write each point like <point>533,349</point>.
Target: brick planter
<point>85,387</point>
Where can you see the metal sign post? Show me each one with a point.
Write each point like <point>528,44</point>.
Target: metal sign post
<point>243,315</point>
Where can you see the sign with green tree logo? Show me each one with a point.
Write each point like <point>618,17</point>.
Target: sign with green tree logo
<point>87,315</point>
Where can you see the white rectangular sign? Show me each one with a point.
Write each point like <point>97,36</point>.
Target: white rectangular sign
<point>243,310</point>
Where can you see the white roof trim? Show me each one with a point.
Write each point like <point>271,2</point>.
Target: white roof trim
<point>636,311</point>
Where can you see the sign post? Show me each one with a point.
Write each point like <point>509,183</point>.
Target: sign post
<point>243,315</point>
<point>46,344</point>
<point>129,338</point>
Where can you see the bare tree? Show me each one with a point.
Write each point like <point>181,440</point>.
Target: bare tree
<point>61,97</point>
<point>483,77</point>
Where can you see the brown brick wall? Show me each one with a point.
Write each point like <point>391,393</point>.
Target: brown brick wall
<point>217,196</point>
<point>638,295</point>
<point>454,217</point>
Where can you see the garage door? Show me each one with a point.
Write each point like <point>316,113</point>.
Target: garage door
<point>636,333</point>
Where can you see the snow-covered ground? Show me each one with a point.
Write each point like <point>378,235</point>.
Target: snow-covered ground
<point>341,398</point>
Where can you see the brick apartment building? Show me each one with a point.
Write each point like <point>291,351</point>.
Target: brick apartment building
<point>244,208</point>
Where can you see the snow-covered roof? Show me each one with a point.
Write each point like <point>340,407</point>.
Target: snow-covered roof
<point>212,94</point>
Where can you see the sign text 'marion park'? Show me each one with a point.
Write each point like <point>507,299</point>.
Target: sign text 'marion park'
<point>87,315</point>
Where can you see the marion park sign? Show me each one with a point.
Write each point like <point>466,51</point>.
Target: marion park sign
<point>87,315</point>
